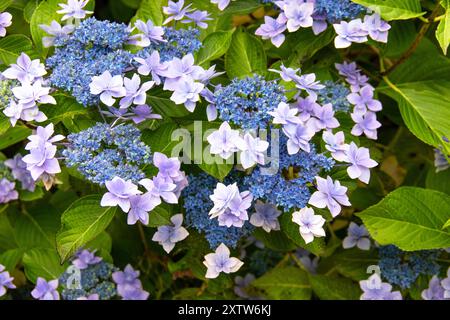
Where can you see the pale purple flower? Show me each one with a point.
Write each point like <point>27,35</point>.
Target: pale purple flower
<point>135,92</point>
<point>43,135</point>
<point>445,283</point>
<point>205,76</point>
<point>150,33</point>
<point>434,290</point>
<point>29,95</point>
<point>236,213</point>
<point>5,21</point>
<point>222,197</point>
<point>85,258</point>
<point>129,287</point>
<point>187,92</point>
<point>6,281</point>
<point>128,292</point>
<point>323,118</point>
<point>140,206</point>
<point>360,161</point>
<point>311,225</point>
<point>168,236</point>
<point>175,11</point>
<point>358,81</point>
<point>348,32</point>
<point>220,261</point>
<point>266,216</point>
<point>377,28</point>
<point>25,70</point>
<point>161,187</point>
<point>14,112</point>
<point>93,296</point>
<point>284,114</point>
<point>119,193</point>
<point>168,167</point>
<point>224,141</point>
<point>222,4</point>
<point>308,83</point>
<point>142,113</point>
<point>287,74</point>
<point>299,136</point>
<point>19,171</point>
<point>211,109</point>
<point>45,290</point>
<point>74,9</point>
<point>252,151</point>
<point>329,194</point>
<point>56,31</point>
<point>241,284</point>
<point>41,160</point>
<point>320,24</point>
<point>306,107</point>
<point>199,18</point>
<point>298,14</point>
<point>179,70</point>
<point>363,100</point>
<point>272,29</point>
<point>108,87</point>
<point>365,124</point>
<point>335,143</point>
<point>152,65</point>
<point>356,236</point>
<point>374,289</point>
<point>346,69</point>
<point>7,191</point>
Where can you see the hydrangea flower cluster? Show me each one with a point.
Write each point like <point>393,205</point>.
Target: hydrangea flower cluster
<point>344,15</point>
<point>102,152</point>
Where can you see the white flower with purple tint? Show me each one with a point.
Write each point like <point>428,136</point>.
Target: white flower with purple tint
<point>329,194</point>
<point>266,216</point>
<point>152,65</point>
<point>374,289</point>
<point>43,135</point>
<point>149,33</point>
<point>224,141</point>
<point>434,290</point>
<point>284,114</point>
<point>74,9</point>
<point>6,281</point>
<point>299,136</point>
<point>356,236</point>
<point>25,70</point>
<point>377,28</point>
<point>119,193</point>
<point>135,92</point>
<point>7,191</point>
<point>198,17</point>
<point>168,236</point>
<point>365,124</point>
<point>108,87</point>
<point>306,107</point>
<point>161,187</point>
<point>222,197</point>
<point>348,32</point>
<point>180,70</point>
<point>323,118</point>
<point>140,206</point>
<point>287,74</point>
<point>272,29</point>
<point>236,213</point>
<point>311,225</point>
<point>5,22</point>
<point>222,4</point>
<point>298,14</point>
<point>85,258</point>
<point>220,261</point>
<point>363,100</point>
<point>252,151</point>
<point>335,143</point>
<point>175,11</point>
<point>19,171</point>
<point>188,93</point>
<point>308,83</point>
<point>360,162</point>
<point>45,290</point>
<point>29,95</point>
<point>56,31</point>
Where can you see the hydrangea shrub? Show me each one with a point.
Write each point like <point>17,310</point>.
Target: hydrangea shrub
<point>211,149</point>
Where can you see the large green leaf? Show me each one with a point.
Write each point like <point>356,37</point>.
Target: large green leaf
<point>11,258</point>
<point>11,47</point>
<point>333,288</point>
<point>214,46</point>
<point>81,222</point>
<point>394,9</point>
<point>353,263</point>
<point>245,56</point>
<point>160,140</point>
<point>439,181</point>
<point>150,10</point>
<point>410,218</point>
<point>443,29</point>
<point>13,136</point>
<point>42,263</point>
<point>5,4</point>
<point>161,103</point>
<point>66,107</point>
<point>286,283</point>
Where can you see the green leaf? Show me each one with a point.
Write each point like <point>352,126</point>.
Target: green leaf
<point>443,29</point>
<point>160,140</point>
<point>13,135</point>
<point>26,195</point>
<point>214,46</point>
<point>5,4</point>
<point>353,263</point>
<point>66,107</point>
<point>11,47</point>
<point>42,263</point>
<point>292,231</point>
<point>7,239</point>
<point>11,258</point>
<point>439,181</point>
<point>447,224</point>
<point>150,9</point>
<point>245,56</point>
<point>275,240</point>
<point>158,217</point>
<point>286,283</point>
<point>394,9</point>
<point>332,288</point>
<point>161,104</point>
<point>410,218</point>
<point>242,7</point>
<point>80,223</point>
